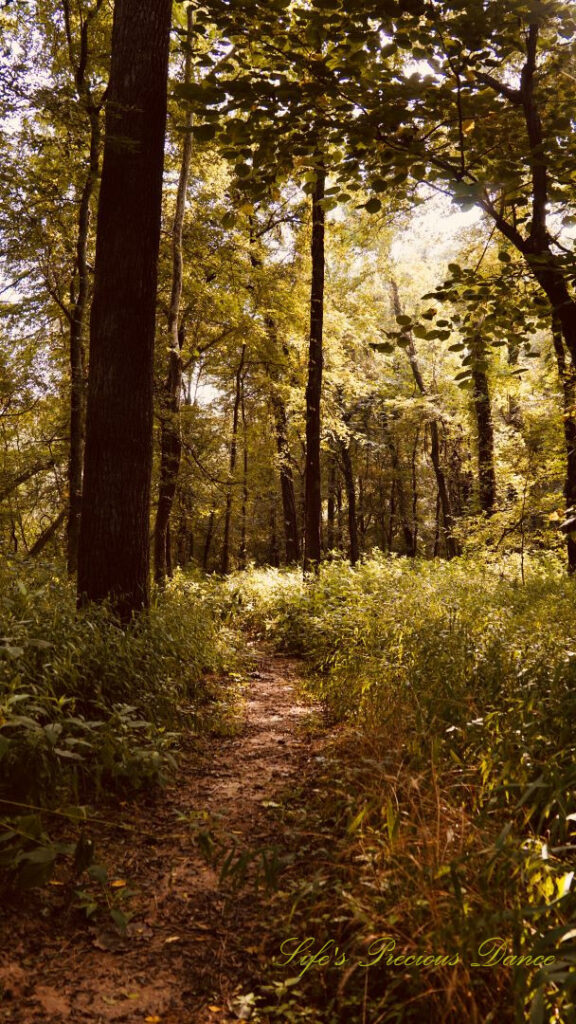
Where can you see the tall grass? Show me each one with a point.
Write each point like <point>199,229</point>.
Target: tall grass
<point>458,682</point>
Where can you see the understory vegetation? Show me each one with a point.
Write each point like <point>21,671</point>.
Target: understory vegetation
<point>89,710</point>
<point>451,793</point>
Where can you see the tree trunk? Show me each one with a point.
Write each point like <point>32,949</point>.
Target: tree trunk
<point>79,56</point>
<point>392,514</point>
<point>415,494</point>
<point>483,413</point>
<point>362,519</point>
<point>242,554</point>
<point>291,535</point>
<point>330,540</point>
<point>47,535</point>
<point>208,542</point>
<point>225,561</point>
<point>274,552</point>
<point>313,485</point>
<point>114,553</point>
<point>78,323</point>
<point>567,376</point>
<point>351,496</point>
<point>400,495</point>
<point>452,547</point>
<point>170,424</point>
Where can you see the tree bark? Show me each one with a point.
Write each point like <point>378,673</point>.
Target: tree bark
<point>485,428</point>
<point>313,484</point>
<point>114,552</point>
<point>171,401</point>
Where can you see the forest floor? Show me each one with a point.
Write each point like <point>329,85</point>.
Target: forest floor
<point>196,945</point>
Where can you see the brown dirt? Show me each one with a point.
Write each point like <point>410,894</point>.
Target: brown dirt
<point>194,946</point>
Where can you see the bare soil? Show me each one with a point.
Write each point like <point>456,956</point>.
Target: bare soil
<point>196,944</point>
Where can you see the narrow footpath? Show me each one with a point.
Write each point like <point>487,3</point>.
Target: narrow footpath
<point>185,865</point>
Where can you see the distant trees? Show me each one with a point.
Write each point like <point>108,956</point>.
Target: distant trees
<point>300,412</point>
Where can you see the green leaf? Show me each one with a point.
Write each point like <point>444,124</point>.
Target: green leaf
<point>373,205</point>
<point>204,132</point>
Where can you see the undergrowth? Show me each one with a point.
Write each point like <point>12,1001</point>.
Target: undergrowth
<point>89,710</point>
<point>447,816</point>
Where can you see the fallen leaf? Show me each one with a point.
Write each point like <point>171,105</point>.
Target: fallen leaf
<point>171,938</point>
<point>215,1009</point>
<point>119,883</point>
<point>153,1020</point>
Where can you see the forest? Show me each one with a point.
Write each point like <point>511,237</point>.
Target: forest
<point>287,511</point>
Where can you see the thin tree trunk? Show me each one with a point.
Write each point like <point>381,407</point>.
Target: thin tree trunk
<point>291,535</point>
<point>437,530</point>
<point>339,518</point>
<point>79,56</point>
<point>242,555</point>
<point>331,505</point>
<point>483,413</point>
<point>47,535</point>
<point>392,519</point>
<point>313,485</point>
<point>170,421</point>
<point>114,553</point>
<point>415,494</point>
<point>351,496</point>
<point>362,522</point>
<point>208,542</point>
<point>567,376</point>
<point>400,495</point>
<point>78,325</point>
<point>225,561</point>
<point>274,555</point>
<point>452,547</point>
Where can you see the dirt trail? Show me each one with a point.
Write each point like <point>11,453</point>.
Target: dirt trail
<point>193,947</point>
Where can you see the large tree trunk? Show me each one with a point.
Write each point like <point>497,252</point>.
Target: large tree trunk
<point>483,414</point>
<point>114,553</point>
<point>451,544</point>
<point>313,485</point>
<point>171,401</point>
<point>568,380</point>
